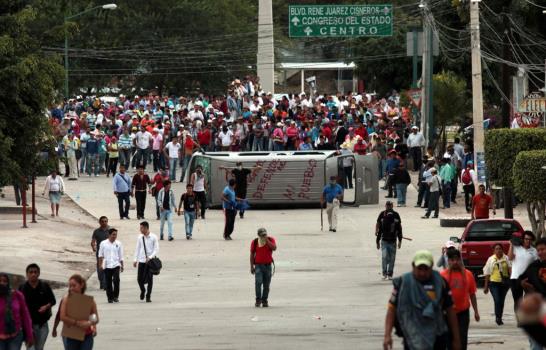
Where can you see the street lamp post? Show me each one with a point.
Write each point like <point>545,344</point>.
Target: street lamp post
<point>66,18</point>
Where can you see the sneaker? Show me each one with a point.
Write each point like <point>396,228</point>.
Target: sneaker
<point>141,295</point>
<point>161,238</point>
<point>110,301</point>
<point>384,278</point>
<point>148,300</point>
<point>424,217</point>
<point>258,303</point>
<point>334,230</point>
<point>265,304</point>
<point>171,238</point>
<point>389,278</point>
<point>116,300</point>
<point>127,217</point>
<point>435,217</point>
<point>97,175</point>
<point>187,237</point>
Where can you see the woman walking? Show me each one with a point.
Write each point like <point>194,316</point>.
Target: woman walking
<point>497,272</point>
<point>16,324</point>
<point>73,325</point>
<point>113,155</point>
<point>54,186</point>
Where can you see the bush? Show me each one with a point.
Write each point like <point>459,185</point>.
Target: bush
<point>503,145</point>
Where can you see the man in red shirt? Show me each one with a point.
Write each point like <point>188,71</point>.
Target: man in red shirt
<point>463,292</point>
<point>261,258</point>
<point>360,147</point>
<point>204,137</point>
<point>481,203</point>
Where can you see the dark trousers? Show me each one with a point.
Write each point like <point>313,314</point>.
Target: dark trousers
<point>144,276</point>
<point>498,292</point>
<point>390,186</point>
<point>433,199</point>
<point>140,197</point>
<point>100,274</point>
<point>112,283</point>
<point>454,184</point>
<point>202,198</point>
<point>422,195</point>
<point>141,157</point>
<point>468,195</point>
<point>517,292</point>
<point>123,197</point>
<point>262,281</point>
<point>463,319</point>
<point>125,157</point>
<point>230,221</point>
<point>446,195</point>
<point>348,177</point>
<point>416,155</point>
<point>156,161</point>
<point>156,207</point>
<point>112,166</point>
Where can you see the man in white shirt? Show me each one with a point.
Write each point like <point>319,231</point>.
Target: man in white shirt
<point>415,143</point>
<point>111,262</point>
<point>147,247</point>
<point>142,141</point>
<point>521,254</point>
<point>196,113</point>
<point>172,153</point>
<point>225,136</point>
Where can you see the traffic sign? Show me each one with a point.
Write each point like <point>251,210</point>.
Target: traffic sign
<point>307,21</point>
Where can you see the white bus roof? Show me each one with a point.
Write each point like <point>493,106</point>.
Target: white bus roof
<point>286,155</point>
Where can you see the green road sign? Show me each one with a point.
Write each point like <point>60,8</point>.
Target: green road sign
<point>340,20</point>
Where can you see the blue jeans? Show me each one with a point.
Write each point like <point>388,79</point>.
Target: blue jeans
<point>258,144</point>
<point>73,344</point>
<point>166,215</point>
<point>186,164</point>
<point>382,168</point>
<point>534,345</point>
<point>83,160</point>
<point>40,336</point>
<point>14,343</point>
<point>401,190</point>
<point>388,256</point>
<point>498,292</point>
<point>262,278</point>
<point>172,168</point>
<point>92,161</point>
<point>189,219</point>
<point>141,156</point>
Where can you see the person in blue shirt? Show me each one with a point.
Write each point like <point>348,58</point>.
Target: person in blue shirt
<point>92,148</point>
<point>306,145</point>
<point>393,162</point>
<point>332,195</point>
<point>229,204</point>
<point>122,190</point>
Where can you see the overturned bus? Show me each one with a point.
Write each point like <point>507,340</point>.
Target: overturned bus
<point>289,178</point>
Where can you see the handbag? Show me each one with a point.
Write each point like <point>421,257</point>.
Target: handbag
<point>154,264</point>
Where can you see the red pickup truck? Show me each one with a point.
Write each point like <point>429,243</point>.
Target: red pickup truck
<point>479,236</point>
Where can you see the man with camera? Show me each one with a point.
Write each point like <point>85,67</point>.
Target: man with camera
<point>261,259</point>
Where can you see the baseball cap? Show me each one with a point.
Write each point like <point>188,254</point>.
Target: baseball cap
<point>423,257</point>
<point>262,231</point>
<point>450,244</point>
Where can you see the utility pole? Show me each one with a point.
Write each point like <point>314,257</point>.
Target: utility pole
<point>427,110</point>
<point>477,91</point>
<point>266,49</point>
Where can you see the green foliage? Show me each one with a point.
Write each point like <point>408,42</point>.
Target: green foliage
<point>28,81</point>
<point>450,98</point>
<point>503,145</point>
<point>529,178</point>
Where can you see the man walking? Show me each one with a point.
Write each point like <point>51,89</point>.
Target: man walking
<point>388,229</point>
<point>261,258</point>
<point>229,204</point>
<point>190,205</point>
<point>100,234</point>
<point>332,195</point>
<point>463,292</point>
<point>172,153</point>
<point>481,204</point>
<point>468,179</point>
<point>167,205</point>
<point>125,141</point>
<point>416,142</point>
<point>424,177</point>
<point>199,182</point>
<point>240,174</point>
<point>111,261</point>
<point>142,141</point>
<point>434,195</point>
<point>421,305</point>
<point>122,190</point>
<point>147,247</point>
<point>39,299</point>
<point>448,173</point>
<point>140,186</point>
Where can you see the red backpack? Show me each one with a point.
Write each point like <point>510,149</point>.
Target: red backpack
<point>467,179</point>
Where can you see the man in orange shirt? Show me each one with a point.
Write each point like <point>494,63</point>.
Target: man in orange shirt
<point>481,203</point>
<point>463,292</point>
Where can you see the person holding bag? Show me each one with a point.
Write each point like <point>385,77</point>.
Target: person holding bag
<point>497,272</point>
<point>146,250</point>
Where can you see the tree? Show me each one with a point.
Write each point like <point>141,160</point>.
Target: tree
<point>450,103</point>
<point>28,81</point>
<point>530,185</point>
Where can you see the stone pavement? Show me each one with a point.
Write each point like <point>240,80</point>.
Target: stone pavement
<point>326,293</point>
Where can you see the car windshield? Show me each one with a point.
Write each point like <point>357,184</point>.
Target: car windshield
<point>491,231</point>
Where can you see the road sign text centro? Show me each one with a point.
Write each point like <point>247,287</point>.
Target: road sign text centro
<point>340,20</point>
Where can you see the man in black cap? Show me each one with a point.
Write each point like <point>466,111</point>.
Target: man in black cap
<point>387,230</point>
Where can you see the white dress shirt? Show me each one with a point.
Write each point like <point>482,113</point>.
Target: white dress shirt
<point>416,140</point>
<point>152,247</point>
<point>112,254</point>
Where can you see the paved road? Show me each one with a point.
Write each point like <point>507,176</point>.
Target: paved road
<point>326,293</point>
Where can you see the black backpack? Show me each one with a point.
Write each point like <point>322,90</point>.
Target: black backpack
<point>389,225</point>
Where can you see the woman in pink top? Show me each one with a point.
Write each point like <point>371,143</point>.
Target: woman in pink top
<point>292,135</point>
<point>14,317</point>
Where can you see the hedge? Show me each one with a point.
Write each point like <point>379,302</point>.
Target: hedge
<point>529,179</point>
<point>503,145</point>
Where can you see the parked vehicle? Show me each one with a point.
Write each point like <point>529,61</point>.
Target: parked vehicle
<point>478,238</point>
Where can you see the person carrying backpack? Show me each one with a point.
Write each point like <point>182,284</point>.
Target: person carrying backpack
<point>387,230</point>
<point>468,177</point>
